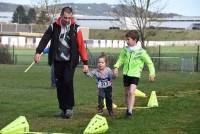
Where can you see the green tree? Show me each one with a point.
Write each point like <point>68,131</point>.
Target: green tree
<point>43,18</point>
<point>19,16</point>
<point>31,17</point>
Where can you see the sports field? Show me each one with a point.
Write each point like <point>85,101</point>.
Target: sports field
<point>29,94</point>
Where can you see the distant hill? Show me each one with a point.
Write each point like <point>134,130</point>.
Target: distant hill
<point>90,9</point>
<point>9,7</point>
<point>101,9</point>
<point>83,9</point>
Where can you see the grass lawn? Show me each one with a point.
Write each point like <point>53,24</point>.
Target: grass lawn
<point>29,94</point>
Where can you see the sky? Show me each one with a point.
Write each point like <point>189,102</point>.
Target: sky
<point>183,7</point>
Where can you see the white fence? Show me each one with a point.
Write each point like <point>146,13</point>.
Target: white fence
<point>121,43</point>
<point>32,42</point>
<point>173,43</point>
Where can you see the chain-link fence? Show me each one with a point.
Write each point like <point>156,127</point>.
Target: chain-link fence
<point>164,58</point>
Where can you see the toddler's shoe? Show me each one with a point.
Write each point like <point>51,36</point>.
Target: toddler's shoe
<point>100,111</point>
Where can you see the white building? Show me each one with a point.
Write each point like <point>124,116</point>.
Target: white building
<point>6,17</point>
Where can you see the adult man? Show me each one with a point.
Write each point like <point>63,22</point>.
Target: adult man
<point>66,46</point>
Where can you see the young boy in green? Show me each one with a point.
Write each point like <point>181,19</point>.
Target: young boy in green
<point>133,58</point>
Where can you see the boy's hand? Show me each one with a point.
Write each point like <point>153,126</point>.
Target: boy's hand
<point>151,78</point>
<point>115,71</point>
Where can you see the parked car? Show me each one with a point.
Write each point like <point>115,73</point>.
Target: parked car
<point>195,26</point>
<point>114,28</point>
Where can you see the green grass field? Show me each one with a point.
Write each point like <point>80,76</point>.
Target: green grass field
<point>29,94</point>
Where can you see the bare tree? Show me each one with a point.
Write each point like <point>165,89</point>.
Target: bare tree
<point>55,8</point>
<point>49,7</point>
<point>137,14</point>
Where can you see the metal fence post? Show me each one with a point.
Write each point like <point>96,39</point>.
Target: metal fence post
<point>13,54</point>
<point>159,50</point>
<point>197,59</point>
<point>16,59</point>
<point>31,28</point>
<point>1,27</point>
<point>16,28</point>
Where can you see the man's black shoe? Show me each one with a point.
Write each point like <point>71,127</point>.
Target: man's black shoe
<point>69,113</point>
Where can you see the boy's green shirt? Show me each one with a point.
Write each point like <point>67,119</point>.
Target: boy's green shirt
<point>134,62</point>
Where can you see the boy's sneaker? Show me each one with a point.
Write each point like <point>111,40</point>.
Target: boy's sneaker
<point>100,111</point>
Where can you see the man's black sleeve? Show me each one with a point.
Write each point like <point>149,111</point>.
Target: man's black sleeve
<point>45,39</point>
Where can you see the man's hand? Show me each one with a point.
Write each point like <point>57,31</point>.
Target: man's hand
<point>37,58</point>
<point>85,68</point>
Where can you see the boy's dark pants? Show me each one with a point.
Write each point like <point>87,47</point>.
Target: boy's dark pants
<point>107,92</point>
<point>64,75</point>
